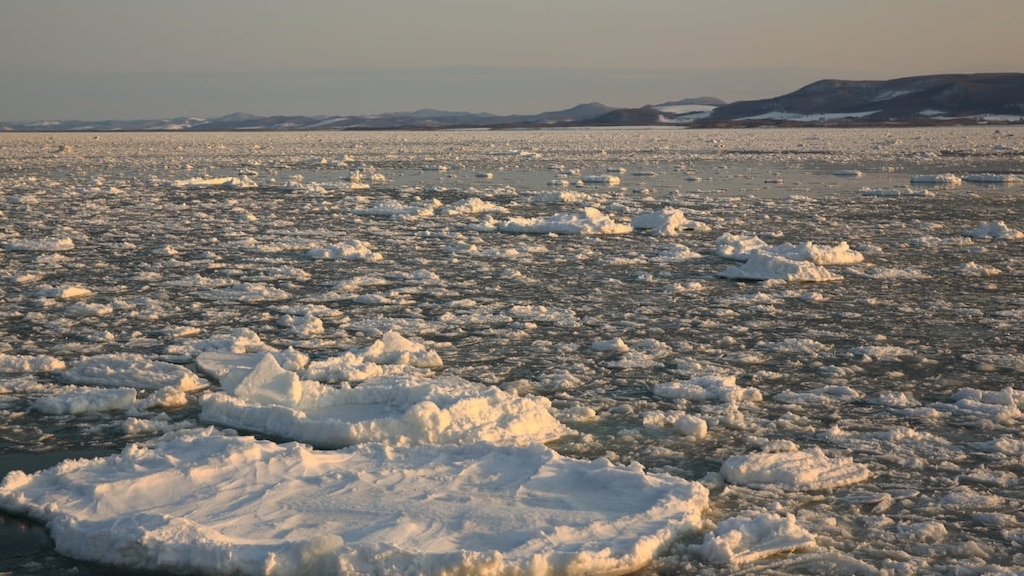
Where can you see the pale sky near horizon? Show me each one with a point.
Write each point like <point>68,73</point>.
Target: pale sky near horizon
<point>128,59</point>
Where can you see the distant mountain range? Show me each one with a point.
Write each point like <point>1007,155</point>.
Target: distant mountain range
<point>919,100</point>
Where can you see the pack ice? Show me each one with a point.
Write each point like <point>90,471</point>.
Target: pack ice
<point>430,475</point>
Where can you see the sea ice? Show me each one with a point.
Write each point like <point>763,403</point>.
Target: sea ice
<point>590,221</point>
<point>248,506</point>
<point>39,245</point>
<point>764,266</point>
<point>17,363</point>
<point>708,388</point>
<point>793,470</point>
<point>667,222</point>
<point>997,229</point>
<point>395,409</point>
<point>945,178</point>
<point>988,178</point>
<point>217,182</point>
<point>82,400</point>
<point>743,540</point>
<point>348,250</point>
<point>133,371</point>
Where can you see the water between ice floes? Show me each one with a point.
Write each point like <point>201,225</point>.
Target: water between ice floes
<point>905,364</point>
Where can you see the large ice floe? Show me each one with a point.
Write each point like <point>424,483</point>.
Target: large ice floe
<point>246,506</point>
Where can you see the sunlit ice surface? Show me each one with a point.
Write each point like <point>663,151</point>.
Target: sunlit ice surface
<point>660,350</point>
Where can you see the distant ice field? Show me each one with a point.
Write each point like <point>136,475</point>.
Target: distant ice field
<point>601,351</point>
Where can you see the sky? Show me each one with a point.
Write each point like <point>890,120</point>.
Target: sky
<point>135,59</point>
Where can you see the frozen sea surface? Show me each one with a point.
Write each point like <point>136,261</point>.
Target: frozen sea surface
<point>751,351</point>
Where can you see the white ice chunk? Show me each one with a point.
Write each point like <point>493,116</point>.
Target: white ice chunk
<point>989,178</point>
<point>839,254</point>
<point>133,371</point>
<point>393,348</point>
<point>738,246</point>
<point>742,540</point>
<point>15,363</point>
<point>997,229</point>
<point>946,178</point>
<point>615,345</point>
<point>39,244</point>
<point>200,501</point>
<point>393,409</point>
<point>763,266</point>
<point>590,221</point>
<point>200,182</point>
<point>796,470</point>
<point>348,250</point>
<point>708,388</point>
<point>82,400</point>
<point>266,384</point>
<point>667,222</point>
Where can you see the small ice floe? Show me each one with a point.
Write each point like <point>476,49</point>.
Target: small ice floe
<point>997,229</point>
<point>39,245</point>
<point>761,266</point>
<point>667,222</point>
<point>791,262</point>
<point>988,178</point>
<point>946,179</point>
<point>246,292</point>
<point>719,388</point>
<point>793,470</point>
<point>229,182</point>
<point>880,353</point>
<point>896,192</point>
<point>18,363</point>
<point>395,209</point>
<point>590,221</point>
<point>603,179</point>
<point>84,400</point>
<point>1001,406</point>
<point>203,501</point>
<point>840,254</point>
<point>614,346</point>
<point>302,326</point>
<point>237,341</point>
<point>403,410</point>
<point>975,270</point>
<point>848,173</point>
<point>348,250</point>
<point>472,206</point>
<point>738,246</point>
<point>132,371</point>
<point>675,253</point>
<point>748,539</point>
<point>819,396</point>
<point>561,197</point>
